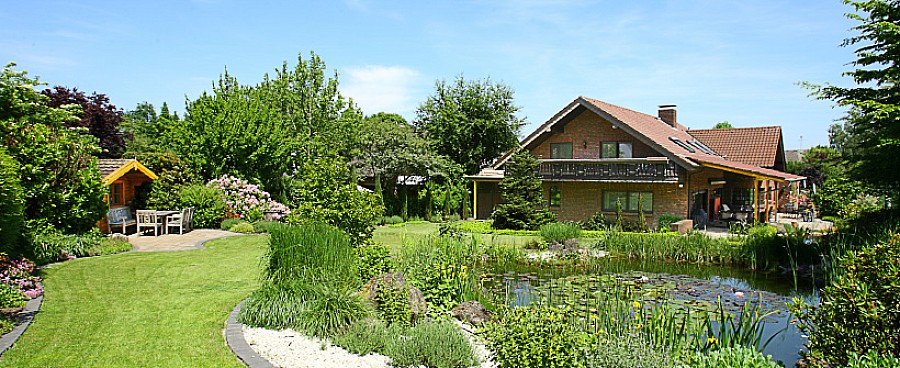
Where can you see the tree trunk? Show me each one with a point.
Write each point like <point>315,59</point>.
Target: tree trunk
<point>429,207</point>
<point>404,211</point>
<point>378,191</point>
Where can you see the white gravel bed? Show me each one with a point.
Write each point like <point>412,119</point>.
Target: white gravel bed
<point>291,349</point>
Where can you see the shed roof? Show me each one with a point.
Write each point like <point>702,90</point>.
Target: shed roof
<point>113,169</point>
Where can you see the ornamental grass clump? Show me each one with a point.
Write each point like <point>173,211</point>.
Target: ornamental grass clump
<point>312,275</point>
<point>312,252</point>
<point>560,232</point>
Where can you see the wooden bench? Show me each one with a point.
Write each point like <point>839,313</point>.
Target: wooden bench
<point>120,216</point>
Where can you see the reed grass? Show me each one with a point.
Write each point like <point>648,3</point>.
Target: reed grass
<point>312,252</point>
<point>617,310</point>
<point>311,275</point>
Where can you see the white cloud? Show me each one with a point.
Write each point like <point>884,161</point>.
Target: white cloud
<point>377,88</point>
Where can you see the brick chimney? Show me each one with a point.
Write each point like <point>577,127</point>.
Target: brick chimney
<point>667,114</point>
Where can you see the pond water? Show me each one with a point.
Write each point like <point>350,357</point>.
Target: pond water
<point>680,285</point>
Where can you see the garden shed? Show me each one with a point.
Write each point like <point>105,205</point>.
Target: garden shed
<point>122,176</point>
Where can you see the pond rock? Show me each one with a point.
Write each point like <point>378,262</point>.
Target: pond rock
<point>395,280</point>
<point>471,312</point>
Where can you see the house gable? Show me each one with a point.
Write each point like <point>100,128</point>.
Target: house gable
<point>586,131</point>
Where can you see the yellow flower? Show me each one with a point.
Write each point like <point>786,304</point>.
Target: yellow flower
<point>464,267</point>
<point>711,340</point>
<point>635,304</point>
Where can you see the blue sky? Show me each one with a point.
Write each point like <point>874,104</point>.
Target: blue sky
<point>738,61</point>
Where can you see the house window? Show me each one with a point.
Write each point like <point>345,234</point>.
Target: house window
<point>630,201</point>
<point>561,150</point>
<point>555,196</point>
<point>117,194</point>
<point>615,150</point>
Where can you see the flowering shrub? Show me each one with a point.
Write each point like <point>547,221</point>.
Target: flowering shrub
<point>246,200</point>
<point>17,273</point>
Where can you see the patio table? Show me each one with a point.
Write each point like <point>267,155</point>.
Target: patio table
<point>162,216</point>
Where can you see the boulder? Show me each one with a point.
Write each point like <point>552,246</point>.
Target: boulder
<point>471,312</point>
<point>396,280</point>
<point>683,226</point>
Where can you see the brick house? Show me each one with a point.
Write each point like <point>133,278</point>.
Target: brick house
<point>593,154</point>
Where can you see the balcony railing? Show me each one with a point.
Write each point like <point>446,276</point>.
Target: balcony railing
<point>646,169</point>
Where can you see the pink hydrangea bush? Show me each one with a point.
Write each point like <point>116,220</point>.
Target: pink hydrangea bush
<point>18,273</point>
<point>248,201</point>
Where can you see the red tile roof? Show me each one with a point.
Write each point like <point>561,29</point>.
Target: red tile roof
<point>757,146</point>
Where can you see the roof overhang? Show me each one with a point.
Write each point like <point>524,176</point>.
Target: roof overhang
<point>754,175</point>
<point>124,169</point>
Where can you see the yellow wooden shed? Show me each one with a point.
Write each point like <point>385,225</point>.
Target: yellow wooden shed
<point>122,176</point>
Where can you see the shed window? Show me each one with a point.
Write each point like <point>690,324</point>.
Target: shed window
<point>117,194</point>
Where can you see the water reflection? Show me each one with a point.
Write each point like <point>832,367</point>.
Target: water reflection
<point>687,283</point>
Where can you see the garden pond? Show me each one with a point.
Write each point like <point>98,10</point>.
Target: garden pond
<point>691,287</point>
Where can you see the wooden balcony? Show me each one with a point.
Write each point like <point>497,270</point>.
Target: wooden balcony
<point>616,169</point>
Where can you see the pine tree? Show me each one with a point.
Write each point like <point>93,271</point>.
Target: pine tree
<point>522,189</point>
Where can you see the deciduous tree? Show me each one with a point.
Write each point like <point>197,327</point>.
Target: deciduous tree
<point>97,115</point>
<point>470,122</point>
<point>874,103</point>
<point>263,132</point>
<point>57,166</point>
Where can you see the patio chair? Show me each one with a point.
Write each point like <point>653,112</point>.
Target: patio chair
<point>148,219</point>
<point>189,219</point>
<point>177,220</point>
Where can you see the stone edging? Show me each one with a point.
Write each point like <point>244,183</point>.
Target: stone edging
<point>22,323</point>
<point>234,337</point>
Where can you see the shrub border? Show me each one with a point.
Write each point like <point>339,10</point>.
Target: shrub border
<point>234,337</point>
<point>26,316</point>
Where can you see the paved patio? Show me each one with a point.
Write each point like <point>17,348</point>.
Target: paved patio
<point>175,242</point>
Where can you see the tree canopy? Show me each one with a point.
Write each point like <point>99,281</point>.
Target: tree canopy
<point>263,132</point>
<point>723,125</point>
<point>470,122</point>
<point>874,102</point>
<point>56,165</point>
<point>97,115</point>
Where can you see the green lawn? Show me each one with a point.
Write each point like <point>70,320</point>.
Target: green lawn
<point>141,309</point>
<point>394,236</point>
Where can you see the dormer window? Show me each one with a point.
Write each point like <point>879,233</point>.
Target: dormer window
<point>561,150</point>
<point>615,150</point>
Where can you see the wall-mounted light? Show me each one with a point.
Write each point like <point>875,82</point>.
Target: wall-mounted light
<point>681,185</point>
